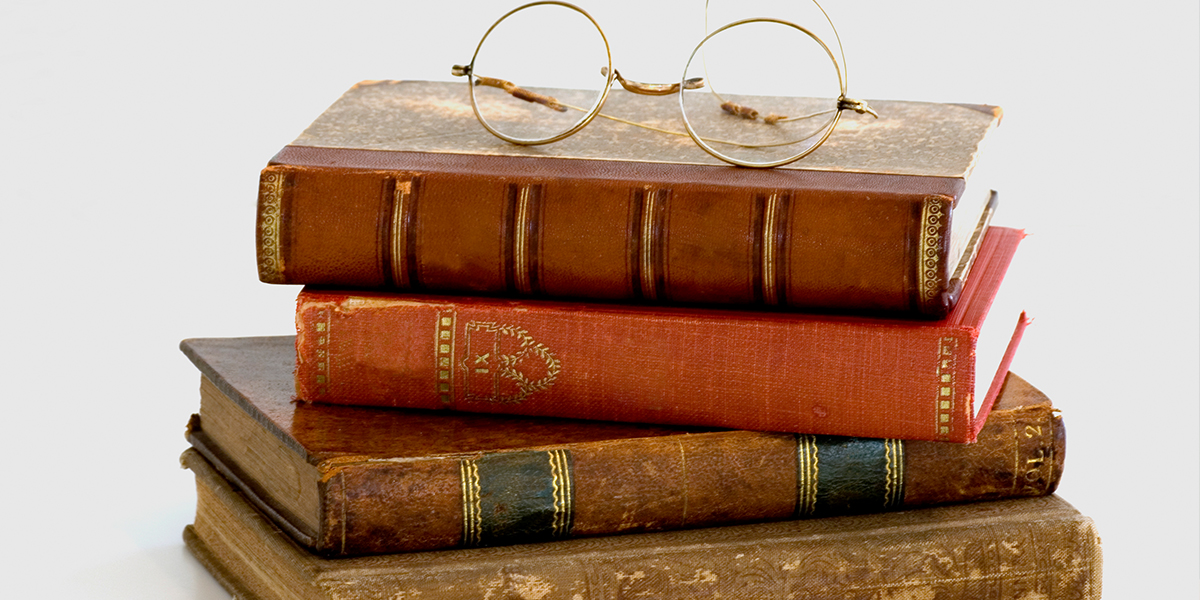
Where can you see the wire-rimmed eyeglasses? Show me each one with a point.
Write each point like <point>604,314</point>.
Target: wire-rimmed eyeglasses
<point>749,130</point>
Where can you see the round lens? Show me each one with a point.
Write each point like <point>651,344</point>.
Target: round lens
<point>771,93</point>
<point>540,73</point>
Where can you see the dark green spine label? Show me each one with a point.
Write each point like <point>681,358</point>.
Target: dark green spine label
<point>843,475</point>
<point>517,497</point>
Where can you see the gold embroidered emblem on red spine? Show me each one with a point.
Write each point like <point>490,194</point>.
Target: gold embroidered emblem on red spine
<point>503,363</point>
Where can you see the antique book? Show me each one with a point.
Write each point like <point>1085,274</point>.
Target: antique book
<point>397,186</point>
<point>1001,550</point>
<point>345,480</point>
<point>765,371</point>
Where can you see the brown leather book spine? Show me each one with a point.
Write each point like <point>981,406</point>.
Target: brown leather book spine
<point>1019,452</point>
<point>562,228</point>
<point>1010,550</point>
<point>678,482</point>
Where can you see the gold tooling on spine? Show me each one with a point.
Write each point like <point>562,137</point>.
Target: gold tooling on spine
<point>521,255</point>
<point>444,352</point>
<point>946,395</point>
<point>471,502</point>
<point>650,246</point>
<point>401,204</point>
<point>807,474</point>
<point>563,494</point>
<point>935,218</point>
<point>894,487</point>
<point>270,253</point>
<point>770,273</point>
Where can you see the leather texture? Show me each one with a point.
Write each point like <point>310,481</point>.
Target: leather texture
<point>855,475</point>
<point>396,185</point>
<point>394,480</point>
<point>1003,550</point>
<point>663,234</point>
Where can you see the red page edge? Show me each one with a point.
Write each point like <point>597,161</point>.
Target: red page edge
<point>1001,373</point>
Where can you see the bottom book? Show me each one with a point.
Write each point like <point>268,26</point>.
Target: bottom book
<point>1022,548</point>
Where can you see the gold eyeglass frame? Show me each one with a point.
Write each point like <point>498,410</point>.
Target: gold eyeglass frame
<point>611,74</point>
<point>468,71</point>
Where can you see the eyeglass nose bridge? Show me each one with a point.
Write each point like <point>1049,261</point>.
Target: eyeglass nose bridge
<point>654,89</point>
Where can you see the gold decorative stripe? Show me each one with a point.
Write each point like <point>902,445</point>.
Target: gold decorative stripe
<point>471,502</point>
<point>653,203</point>
<point>270,204</point>
<point>770,287</point>
<point>647,246</point>
<point>563,494</point>
<point>322,329</point>
<point>521,256</point>
<point>894,486</point>
<point>946,394</point>
<point>443,351</point>
<point>401,205</point>
<point>806,475</point>
<point>931,271</point>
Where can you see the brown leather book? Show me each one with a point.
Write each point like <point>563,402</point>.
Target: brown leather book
<point>350,480</point>
<point>397,186</point>
<point>1001,550</point>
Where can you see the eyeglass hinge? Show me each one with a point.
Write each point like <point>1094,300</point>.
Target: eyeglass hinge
<point>858,106</point>
<point>460,70</point>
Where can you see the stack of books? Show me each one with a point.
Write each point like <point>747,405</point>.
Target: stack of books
<point>612,367</point>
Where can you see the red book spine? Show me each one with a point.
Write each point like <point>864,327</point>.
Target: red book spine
<point>745,370</point>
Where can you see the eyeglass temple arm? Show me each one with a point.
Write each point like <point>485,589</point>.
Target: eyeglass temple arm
<point>654,89</point>
<point>515,90</point>
<point>749,113</point>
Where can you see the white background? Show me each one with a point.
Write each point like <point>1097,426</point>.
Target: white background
<point>132,133</point>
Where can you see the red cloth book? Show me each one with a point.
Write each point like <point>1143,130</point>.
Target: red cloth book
<point>822,374</point>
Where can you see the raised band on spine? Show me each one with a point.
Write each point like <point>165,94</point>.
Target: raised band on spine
<point>633,236</point>
<point>806,475</point>
<point>472,520</point>
<point>526,221</point>
<point>403,202</point>
<point>773,263</point>
<point>894,452</point>
<point>652,241</point>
